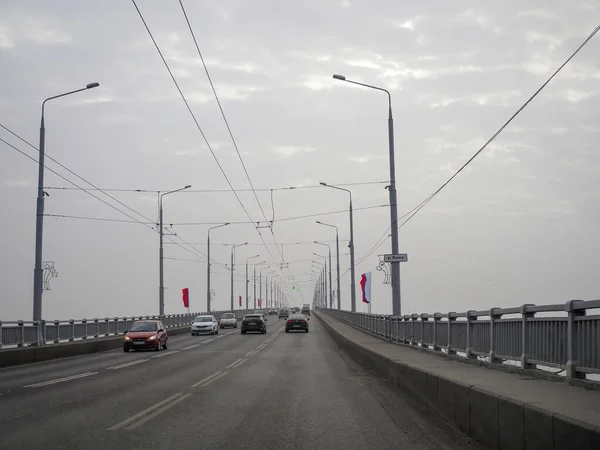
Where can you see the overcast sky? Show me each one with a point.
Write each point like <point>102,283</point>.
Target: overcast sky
<point>519,226</point>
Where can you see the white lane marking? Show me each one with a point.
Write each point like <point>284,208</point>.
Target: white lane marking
<point>160,355</point>
<point>220,336</point>
<point>60,380</point>
<point>213,379</point>
<point>132,363</point>
<point>189,347</point>
<point>145,411</point>
<point>157,412</point>
<point>236,365</point>
<point>206,379</point>
<point>233,364</point>
<point>250,353</point>
<point>207,341</point>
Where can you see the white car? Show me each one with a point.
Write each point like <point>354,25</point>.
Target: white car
<point>205,324</point>
<point>228,320</point>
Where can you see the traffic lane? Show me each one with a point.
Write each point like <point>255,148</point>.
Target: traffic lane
<point>79,412</point>
<point>298,392</point>
<point>11,377</point>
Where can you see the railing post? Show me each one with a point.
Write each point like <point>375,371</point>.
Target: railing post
<point>525,316</point>
<point>492,353</point>
<point>470,319</point>
<point>406,320</point>
<point>437,317</point>
<point>451,320</point>
<point>22,333</point>
<point>424,318</point>
<point>107,326</point>
<point>389,328</point>
<point>413,319</point>
<point>116,325</point>
<point>97,327</point>
<point>85,333</point>
<point>72,323</point>
<point>0,334</point>
<point>572,332</point>
<point>57,325</point>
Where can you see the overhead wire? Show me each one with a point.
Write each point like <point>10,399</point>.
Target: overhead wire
<point>136,220</point>
<point>196,122</point>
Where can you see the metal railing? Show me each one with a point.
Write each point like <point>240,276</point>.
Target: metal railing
<point>22,333</point>
<point>570,343</point>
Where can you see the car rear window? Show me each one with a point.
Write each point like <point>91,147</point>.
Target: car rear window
<point>203,319</point>
<point>253,316</point>
<point>228,316</point>
<point>144,326</point>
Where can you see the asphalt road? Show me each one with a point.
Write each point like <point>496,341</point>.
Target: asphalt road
<point>275,391</point>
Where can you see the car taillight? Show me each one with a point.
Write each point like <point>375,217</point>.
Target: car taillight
<point>303,321</point>
<point>289,321</point>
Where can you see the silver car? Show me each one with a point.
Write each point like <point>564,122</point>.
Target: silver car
<point>205,324</point>
<point>228,320</point>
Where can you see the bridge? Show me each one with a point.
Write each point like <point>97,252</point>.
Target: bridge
<point>501,379</point>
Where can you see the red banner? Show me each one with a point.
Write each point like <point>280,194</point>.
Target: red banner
<point>186,297</point>
<point>240,300</point>
<point>259,302</point>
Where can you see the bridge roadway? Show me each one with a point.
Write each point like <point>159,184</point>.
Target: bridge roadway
<point>276,391</point>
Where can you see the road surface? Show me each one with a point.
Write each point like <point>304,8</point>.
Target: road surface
<point>275,391</point>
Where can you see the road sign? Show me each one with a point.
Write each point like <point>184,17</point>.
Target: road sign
<point>402,257</point>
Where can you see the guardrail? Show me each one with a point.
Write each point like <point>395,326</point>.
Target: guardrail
<point>570,343</point>
<point>22,333</point>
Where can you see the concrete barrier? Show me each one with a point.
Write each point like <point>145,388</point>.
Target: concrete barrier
<point>493,420</point>
<point>28,355</point>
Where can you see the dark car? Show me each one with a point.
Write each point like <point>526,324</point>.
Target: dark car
<point>284,313</point>
<point>305,311</point>
<point>296,322</point>
<point>254,322</point>
<point>145,334</point>
<point>273,312</point>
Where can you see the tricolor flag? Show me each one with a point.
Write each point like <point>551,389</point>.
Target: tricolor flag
<point>240,301</point>
<point>186,297</point>
<point>365,287</point>
<point>259,302</point>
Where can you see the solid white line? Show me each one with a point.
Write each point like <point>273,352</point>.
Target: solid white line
<point>60,380</point>
<point>157,412</point>
<point>132,363</point>
<point>207,341</point>
<point>233,364</point>
<point>214,379</point>
<point>250,353</point>
<point>141,413</point>
<point>239,364</point>
<point>206,379</point>
<point>160,355</point>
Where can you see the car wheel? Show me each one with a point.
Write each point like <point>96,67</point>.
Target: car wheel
<point>157,347</point>
<point>287,331</point>
<point>126,350</point>
<point>243,332</point>
<point>165,345</point>
<point>217,331</point>
<point>306,331</point>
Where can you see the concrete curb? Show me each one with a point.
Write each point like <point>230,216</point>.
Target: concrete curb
<point>492,420</point>
<point>29,355</point>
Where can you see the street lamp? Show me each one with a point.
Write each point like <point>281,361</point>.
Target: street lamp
<point>396,302</point>
<point>351,245</point>
<point>208,294</point>
<point>38,271</point>
<point>337,244</point>
<point>161,286</point>
<point>232,266</point>
<point>254,279</point>
<point>330,285</point>
<point>264,301</point>
<point>247,280</point>
<point>323,271</point>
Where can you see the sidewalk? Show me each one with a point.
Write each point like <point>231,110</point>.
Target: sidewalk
<point>499,409</point>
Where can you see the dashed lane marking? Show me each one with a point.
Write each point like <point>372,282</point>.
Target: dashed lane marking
<point>160,355</point>
<point>233,363</point>
<point>207,379</point>
<point>132,363</point>
<point>61,380</point>
<point>133,418</point>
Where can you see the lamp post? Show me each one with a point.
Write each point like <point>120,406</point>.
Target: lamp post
<point>322,269</point>
<point>264,300</point>
<point>247,280</point>
<point>38,271</point>
<point>330,285</point>
<point>208,295</point>
<point>337,251</point>
<point>396,301</point>
<point>351,245</point>
<point>161,287</point>
<point>254,279</point>
<point>233,247</point>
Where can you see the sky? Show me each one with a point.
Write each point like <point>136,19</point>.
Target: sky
<point>519,225</point>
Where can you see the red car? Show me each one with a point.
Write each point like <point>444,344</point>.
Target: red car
<point>145,334</point>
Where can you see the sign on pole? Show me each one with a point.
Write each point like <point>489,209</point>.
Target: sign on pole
<point>389,258</point>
